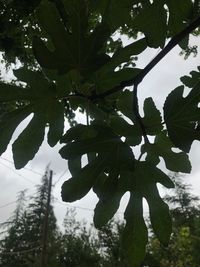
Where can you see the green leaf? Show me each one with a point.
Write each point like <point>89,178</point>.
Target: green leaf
<point>72,150</point>
<point>29,141</point>
<point>103,140</point>
<point>148,175</point>
<point>110,189</point>
<point>192,80</point>
<point>61,58</point>
<point>45,58</point>
<point>34,79</point>
<point>160,216</point>
<point>125,104</point>
<point>123,55</point>
<point>55,118</point>
<point>152,21</point>
<point>114,13</point>
<point>135,234</point>
<point>123,128</point>
<point>181,116</point>
<point>78,186</point>
<point>75,49</point>
<point>162,147</point>
<point>109,80</point>
<point>179,12</point>
<point>98,38</point>
<point>8,124</point>
<point>64,84</point>
<point>106,209</point>
<point>11,92</point>
<point>74,165</point>
<point>78,132</point>
<point>42,101</point>
<point>152,118</point>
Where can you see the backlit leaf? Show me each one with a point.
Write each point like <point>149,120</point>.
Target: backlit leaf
<point>152,22</point>
<point>162,147</point>
<point>152,118</point>
<point>181,115</point>
<point>135,234</point>
<point>145,173</point>
<point>29,141</point>
<point>8,124</point>
<point>78,186</point>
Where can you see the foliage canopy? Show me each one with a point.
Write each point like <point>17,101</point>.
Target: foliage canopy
<point>64,49</point>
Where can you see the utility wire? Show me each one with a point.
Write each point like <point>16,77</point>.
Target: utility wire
<point>15,201</point>
<point>20,175</point>
<point>65,171</point>
<point>79,207</point>
<point>8,204</point>
<point>25,168</point>
<point>72,206</point>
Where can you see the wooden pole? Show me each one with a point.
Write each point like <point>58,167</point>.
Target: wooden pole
<point>44,254</point>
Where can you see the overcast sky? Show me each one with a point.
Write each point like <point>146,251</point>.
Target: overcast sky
<point>162,79</point>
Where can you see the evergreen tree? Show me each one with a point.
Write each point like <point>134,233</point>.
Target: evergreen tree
<point>79,246</point>
<point>25,231</point>
<point>109,238</point>
<point>12,245</point>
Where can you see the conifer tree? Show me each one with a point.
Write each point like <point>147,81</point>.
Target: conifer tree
<point>12,245</point>
<point>23,240</point>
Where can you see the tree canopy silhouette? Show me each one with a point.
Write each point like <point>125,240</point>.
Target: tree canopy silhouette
<point>65,49</point>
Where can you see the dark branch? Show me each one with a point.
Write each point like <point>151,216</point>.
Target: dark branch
<point>138,79</point>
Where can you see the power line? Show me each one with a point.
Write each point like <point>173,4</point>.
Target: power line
<point>25,168</point>
<point>72,206</point>
<point>8,204</point>
<point>20,175</point>
<point>88,209</point>
<point>15,201</point>
<point>60,177</point>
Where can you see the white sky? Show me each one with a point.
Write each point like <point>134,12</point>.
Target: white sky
<point>162,79</point>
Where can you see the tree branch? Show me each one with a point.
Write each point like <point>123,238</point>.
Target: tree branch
<point>138,79</point>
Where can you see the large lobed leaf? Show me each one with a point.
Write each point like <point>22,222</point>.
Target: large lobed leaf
<point>111,172</point>
<point>40,98</point>
<point>162,147</point>
<point>80,49</point>
<point>73,56</point>
<point>182,114</point>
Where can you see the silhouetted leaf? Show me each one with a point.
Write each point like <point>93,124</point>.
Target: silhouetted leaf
<point>135,234</point>
<point>29,141</point>
<point>152,118</point>
<point>152,22</point>
<point>78,186</point>
<point>106,209</point>
<point>181,116</point>
<point>162,147</point>
<point>179,12</point>
<point>145,173</point>
<point>40,98</point>
<point>8,124</point>
<point>55,118</point>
